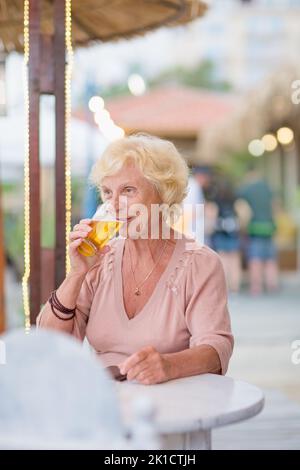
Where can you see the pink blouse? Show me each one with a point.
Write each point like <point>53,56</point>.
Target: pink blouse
<point>188,307</point>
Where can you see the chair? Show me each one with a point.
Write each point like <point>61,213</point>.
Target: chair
<point>55,395</point>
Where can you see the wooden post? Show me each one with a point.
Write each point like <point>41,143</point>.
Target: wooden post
<point>60,180</point>
<point>34,162</point>
<point>46,76</point>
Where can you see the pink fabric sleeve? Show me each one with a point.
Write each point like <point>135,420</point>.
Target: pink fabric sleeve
<point>207,315</point>
<point>83,304</point>
<point>85,299</point>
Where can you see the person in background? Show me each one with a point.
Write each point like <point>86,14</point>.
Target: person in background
<point>226,238</point>
<point>261,250</point>
<point>203,175</point>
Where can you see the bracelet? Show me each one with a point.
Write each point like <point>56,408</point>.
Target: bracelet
<point>61,318</point>
<point>60,306</point>
<point>55,304</point>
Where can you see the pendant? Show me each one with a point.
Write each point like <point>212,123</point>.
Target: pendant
<point>137,291</point>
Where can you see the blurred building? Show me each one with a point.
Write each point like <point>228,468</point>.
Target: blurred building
<point>177,113</point>
<point>246,40</point>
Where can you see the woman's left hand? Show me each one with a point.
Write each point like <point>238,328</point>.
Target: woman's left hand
<point>147,367</point>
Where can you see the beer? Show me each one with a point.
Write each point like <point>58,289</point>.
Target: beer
<point>102,231</point>
<point>104,228</point>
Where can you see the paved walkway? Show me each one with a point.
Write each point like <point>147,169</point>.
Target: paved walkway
<point>264,329</point>
<point>277,427</point>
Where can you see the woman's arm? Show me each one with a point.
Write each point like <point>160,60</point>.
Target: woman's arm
<point>148,366</point>
<point>207,319</point>
<point>201,359</point>
<point>75,291</point>
<point>67,294</point>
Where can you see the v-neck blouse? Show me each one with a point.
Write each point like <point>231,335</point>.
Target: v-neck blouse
<point>187,307</point>
<point>157,290</point>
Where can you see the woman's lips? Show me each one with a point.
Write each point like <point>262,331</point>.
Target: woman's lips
<point>125,220</point>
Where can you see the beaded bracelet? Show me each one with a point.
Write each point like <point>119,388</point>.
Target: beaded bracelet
<point>55,304</point>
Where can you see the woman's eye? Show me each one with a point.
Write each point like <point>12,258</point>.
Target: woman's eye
<point>129,190</point>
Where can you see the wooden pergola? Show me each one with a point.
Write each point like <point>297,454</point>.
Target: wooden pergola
<point>92,21</point>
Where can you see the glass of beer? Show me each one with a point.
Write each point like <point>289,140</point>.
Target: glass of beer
<point>104,228</point>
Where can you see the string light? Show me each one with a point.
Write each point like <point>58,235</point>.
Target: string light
<point>270,142</point>
<point>68,194</point>
<point>256,148</point>
<point>285,135</point>
<point>136,84</point>
<point>68,108</point>
<point>102,118</point>
<point>25,279</point>
<point>96,103</point>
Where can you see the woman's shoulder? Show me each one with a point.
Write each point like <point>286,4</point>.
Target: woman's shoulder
<point>203,269</point>
<point>201,258</point>
<point>200,252</point>
<point>195,263</point>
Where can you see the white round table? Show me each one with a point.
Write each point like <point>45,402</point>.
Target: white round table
<point>188,409</point>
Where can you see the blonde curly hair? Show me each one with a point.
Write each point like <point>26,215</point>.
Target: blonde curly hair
<point>158,159</point>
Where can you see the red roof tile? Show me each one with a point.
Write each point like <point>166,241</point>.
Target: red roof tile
<point>171,111</point>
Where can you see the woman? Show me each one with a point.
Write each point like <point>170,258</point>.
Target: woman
<point>152,306</point>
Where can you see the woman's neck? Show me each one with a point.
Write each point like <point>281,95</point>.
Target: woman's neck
<point>152,245</point>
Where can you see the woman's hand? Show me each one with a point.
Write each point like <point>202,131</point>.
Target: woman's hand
<point>79,263</point>
<point>148,367</point>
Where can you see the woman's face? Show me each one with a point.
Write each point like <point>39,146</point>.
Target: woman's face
<point>126,188</point>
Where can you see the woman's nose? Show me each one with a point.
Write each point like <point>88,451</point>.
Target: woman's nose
<point>118,204</point>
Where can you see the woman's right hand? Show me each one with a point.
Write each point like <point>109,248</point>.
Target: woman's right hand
<point>80,263</point>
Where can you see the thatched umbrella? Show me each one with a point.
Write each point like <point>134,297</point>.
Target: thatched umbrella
<point>99,20</point>
<point>263,109</point>
<point>92,21</point>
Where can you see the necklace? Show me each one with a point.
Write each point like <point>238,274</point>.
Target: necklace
<point>137,287</point>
